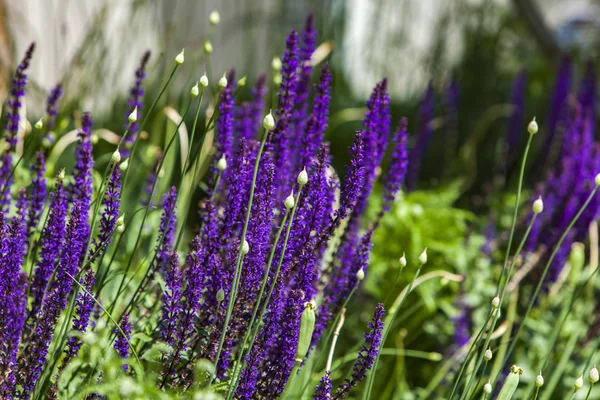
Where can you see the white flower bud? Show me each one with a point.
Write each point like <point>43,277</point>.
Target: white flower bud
<point>222,163</point>
<point>488,355</point>
<point>597,180</point>
<point>496,302</point>
<point>40,124</point>
<point>538,205</point>
<point>242,81</point>
<point>121,220</point>
<point>269,122</point>
<point>594,375</point>
<point>204,80</point>
<point>423,256</point>
<point>124,165</point>
<point>289,201</point>
<point>208,47</point>
<point>276,64</point>
<point>487,388</point>
<point>578,383</point>
<point>245,247</point>
<point>95,138</point>
<point>277,79</point>
<point>360,275</point>
<point>223,82</point>
<point>195,91</point>
<point>121,228</point>
<point>116,156</point>
<point>180,58</point>
<point>220,295</point>
<point>61,175</point>
<point>214,18</point>
<point>303,177</point>
<point>539,380</point>
<point>532,128</point>
<point>403,260</point>
<point>133,116</point>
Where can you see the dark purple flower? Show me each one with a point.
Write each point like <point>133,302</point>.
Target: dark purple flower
<point>323,389</point>
<point>82,188</point>
<point>34,355</point>
<point>353,185</point>
<point>250,114</point>
<point>317,121</point>
<point>122,342</point>
<point>171,298</point>
<point>367,353</point>
<point>136,99</point>
<point>51,245</point>
<point>51,113</point>
<point>110,214</point>
<point>398,166</point>
<point>166,231</point>
<point>83,309</point>
<point>38,193</point>
<point>558,108</point>
<point>587,91</point>
<point>225,122</point>
<point>462,323</point>
<point>422,140</point>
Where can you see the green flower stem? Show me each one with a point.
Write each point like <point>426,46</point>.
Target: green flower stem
<point>589,391</point>
<point>496,313</point>
<point>336,334</point>
<point>238,266</point>
<point>239,361</point>
<point>386,330</point>
<point>543,277</point>
<point>505,263</point>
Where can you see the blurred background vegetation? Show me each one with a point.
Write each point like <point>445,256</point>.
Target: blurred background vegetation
<point>479,46</point>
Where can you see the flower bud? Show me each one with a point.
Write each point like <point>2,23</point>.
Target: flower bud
<point>133,116</point>
<point>61,175</point>
<point>222,163</point>
<point>538,205</point>
<point>539,380</point>
<point>180,58</point>
<point>121,220</point>
<point>495,302</point>
<point>307,326</point>
<point>214,18</point>
<point>487,356</point>
<point>277,79</point>
<point>116,156</point>
<point>242,81</point>
<point>276,64</point>
<point>208,47</point>
<point>204,80</point>
<point>121,228</point>
<point>223,81</point>
<point>195,91</point>
<point>303,177</point>
<point>124,165</point>
<point>597,180</point>
<point>578,383</point>
<point>360,275</point>
<point>40,124</point>
<point>594,375</point>
<point>423,256</point>
<point>532,128</point>
<point>403,260</point>
<point>269,122</point>
<point>220,295</point>
<point>94,139</point>
<point>487,388</point>
<point>245,247</point>
<point>289,201</point>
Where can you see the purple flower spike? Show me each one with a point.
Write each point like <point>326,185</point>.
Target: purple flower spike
<point>398,166</point>
<point>225,122</point>
<point>367,353</point>
<point>172,298</point>
<point>354,182</point>
<point>38,193</point>
<point>83,187</point>
<point>121,343</point>
<point>422,140</point>
<point>250,114</point>
<point>83,309</point>
<point>51,113</point>
<point>51,245</point>
<point>110,214</point>
<point>558,109</point>
<point>323,389</point>
<point>168,225</point>
<point>136,99</point>
<point>317,121</point>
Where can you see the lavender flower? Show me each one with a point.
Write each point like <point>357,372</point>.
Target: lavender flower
<point>168,225</point>
<point>317,121</point>
<point>323,389</point>
<point>110,214</point>
<point>83,308</point>
<point>136,100</point>
<point>423,138</point>
<point>172,298</point>
<point>51,245</point>
<point>398,166</point>
<point>121,343</point>
<point>354,177</point>
<point>38,193</point>
<point>367,353</point>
